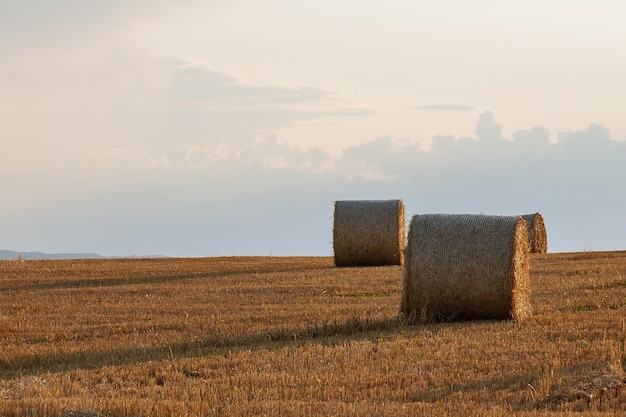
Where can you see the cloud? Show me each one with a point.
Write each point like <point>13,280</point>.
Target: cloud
<point>270,154</point>
<point>220,87</point>
<point>536,138</point>
<point>445,107</point>
<point>383,157</point>
<point>529,159</point>
<point>594,137</point>
<point>490,153</point>
<point>487,131</point>
<point>190,102</point>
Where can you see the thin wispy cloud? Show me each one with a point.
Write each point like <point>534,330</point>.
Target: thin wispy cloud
<point>195,80</point>
<point>212,104</point>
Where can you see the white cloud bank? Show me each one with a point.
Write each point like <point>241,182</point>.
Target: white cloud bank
<point>272,197</point>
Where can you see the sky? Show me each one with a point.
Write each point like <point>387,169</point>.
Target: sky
<point>217,128</point>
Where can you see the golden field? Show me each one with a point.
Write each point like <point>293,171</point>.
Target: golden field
<point>298,337</point>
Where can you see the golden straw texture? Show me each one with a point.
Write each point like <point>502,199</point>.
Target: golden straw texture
<point>536,233</point>
<point>368,232</point>
<point>466,266</point>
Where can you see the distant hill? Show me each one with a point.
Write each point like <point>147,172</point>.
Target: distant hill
<point>9,254</point>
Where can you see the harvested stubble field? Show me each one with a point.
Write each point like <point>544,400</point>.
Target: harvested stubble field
<point>297,336</point>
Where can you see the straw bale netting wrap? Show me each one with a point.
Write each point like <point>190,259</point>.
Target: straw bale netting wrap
<point>368,232</point>
<point>466,266</point>
<point>536,233</point>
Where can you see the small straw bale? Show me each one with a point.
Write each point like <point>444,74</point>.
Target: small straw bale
<point>368,232</point>
<point>466,266</point>
<point>536,233</point>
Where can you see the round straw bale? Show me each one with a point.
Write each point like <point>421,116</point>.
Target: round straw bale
<point>536,233</point>
<point>368,232</point>
<point>466,266</point>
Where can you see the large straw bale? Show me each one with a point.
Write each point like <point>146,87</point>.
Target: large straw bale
<point>466,266</point>
<point>536,233</point>
<point>368,232</point>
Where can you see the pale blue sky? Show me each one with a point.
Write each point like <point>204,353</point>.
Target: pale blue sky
<point>230,127</point>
